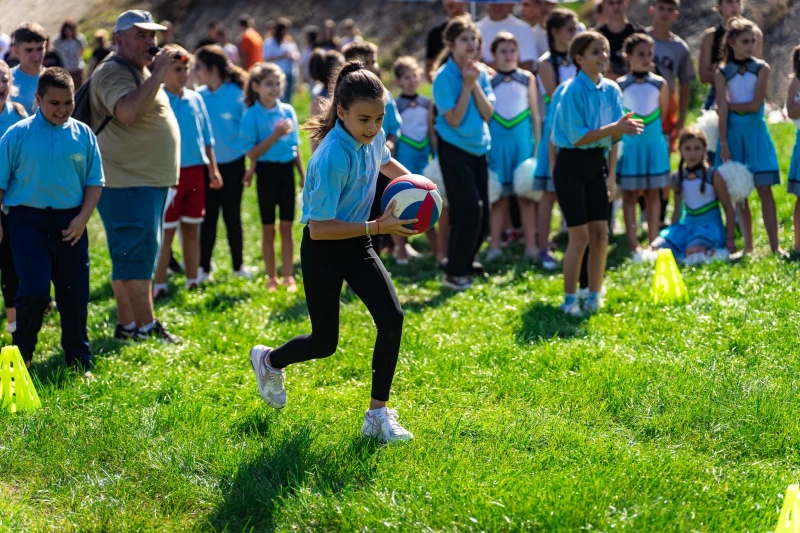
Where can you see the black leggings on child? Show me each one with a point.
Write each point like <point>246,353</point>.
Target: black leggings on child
<point>326,266</point>
<point>466,178</point>
<point>229,199</point>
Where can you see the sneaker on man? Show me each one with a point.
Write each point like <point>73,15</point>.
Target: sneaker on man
<point>382,424</point>
<point>457,283</point>
<point>157,331</point>
<point>270,381</point>
<point>122,334</point>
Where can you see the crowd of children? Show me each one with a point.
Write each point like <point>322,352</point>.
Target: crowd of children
<point>600,111</point>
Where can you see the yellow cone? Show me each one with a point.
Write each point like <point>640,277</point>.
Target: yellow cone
<point>668,286</point>
<point>789,519</point>
<point>16,388</point>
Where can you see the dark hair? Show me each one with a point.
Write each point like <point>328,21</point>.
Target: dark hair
<point>246,21</point>
<point>213,56</point>
<point>674,3</point>
<point>689,134</point>
<point>558,18</point>
<point>257,74</point>
<point>581,42</point>
<point>502,37</point>
<point>360,50</point>
<point>454,28</point>
<point>312,34</point>
<point>281,27</point>
<point>29,32</point>
<point>634,40</point>
<point>736,27</point>
<point>321,65</point>
<point>796,61</point>
<point>354,83</point>
<point>69,24</point>
<point>54,77</point>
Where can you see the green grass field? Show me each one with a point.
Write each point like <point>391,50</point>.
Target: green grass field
<point>640,417</point>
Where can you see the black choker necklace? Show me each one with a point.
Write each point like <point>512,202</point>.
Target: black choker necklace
<point>640,75</point>
<point>740,62</point>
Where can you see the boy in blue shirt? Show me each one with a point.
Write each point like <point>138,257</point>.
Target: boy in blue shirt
<point>51,178</point>
<point>187,207</point>
<point>30,44</point>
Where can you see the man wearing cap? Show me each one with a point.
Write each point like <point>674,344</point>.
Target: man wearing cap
<point>141,148</point>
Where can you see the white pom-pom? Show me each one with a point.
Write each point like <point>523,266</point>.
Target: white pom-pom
<point>708,123</point>
<point>738,179</point>
<point>495,189</point>
<point>523,181</point>
<point>434,173</point>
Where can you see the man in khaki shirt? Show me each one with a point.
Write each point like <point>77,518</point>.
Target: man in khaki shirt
<point>141,149</point>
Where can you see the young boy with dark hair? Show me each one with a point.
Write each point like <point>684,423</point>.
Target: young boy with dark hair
<point>616,29</point>
<point>51,177</point>
<point>673,60</point>
<point>30,45</point>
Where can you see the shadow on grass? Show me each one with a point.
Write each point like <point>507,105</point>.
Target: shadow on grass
<point>542,322</point>
<point>254,495</point>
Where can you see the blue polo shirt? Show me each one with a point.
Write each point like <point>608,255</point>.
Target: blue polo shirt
<point>42,165</point>
<point>9,117</point>
<point>258,123</point>
<point>547,128</point>
<point>392,122</point>
<point>472,135</point>
<point>195,127</point>
<point>26,84</point>
<point>342,177</point>
<point>225,108</point>
<point>586,106</point>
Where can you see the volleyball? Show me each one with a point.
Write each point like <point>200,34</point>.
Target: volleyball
<point>415,197</point>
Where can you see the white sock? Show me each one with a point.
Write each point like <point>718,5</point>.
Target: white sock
<point>130,327</point>
<point>148,327</point>
<point>159,287</point>
<point>372,412</point>
<point>195,281</point>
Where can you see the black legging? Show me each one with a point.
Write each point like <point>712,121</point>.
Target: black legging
<point>229,198</point>
<point>326,266</point>
<point>466,179</point>
<point>10,280</point>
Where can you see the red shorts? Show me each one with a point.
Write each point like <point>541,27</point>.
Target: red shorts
<point>188,199</point>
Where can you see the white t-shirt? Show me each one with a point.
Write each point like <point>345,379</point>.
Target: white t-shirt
<point>520,29</point>
<point>540,37</point>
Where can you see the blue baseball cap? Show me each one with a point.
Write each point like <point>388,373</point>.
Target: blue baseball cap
<point>138,18</point>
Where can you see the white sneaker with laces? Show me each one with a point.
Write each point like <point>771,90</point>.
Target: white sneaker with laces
<point>270,382</point>
<point>383,425</point>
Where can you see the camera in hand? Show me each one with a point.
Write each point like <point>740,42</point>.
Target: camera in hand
<point>180,57</point>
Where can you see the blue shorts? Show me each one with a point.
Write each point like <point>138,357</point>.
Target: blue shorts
<point>133,218</point>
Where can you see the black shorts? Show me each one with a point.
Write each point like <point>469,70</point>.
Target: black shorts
<point>275,187</point>
<point>580,180</point>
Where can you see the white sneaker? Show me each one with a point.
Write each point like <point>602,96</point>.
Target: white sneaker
<point>384,426</point>
<point>592,306</point>
<point>270,383</point>
<point>11,327</point>
<point>573,309</point>
<point>204,277</point>
<point>493,253</point>
<point>411,252</point>
<point>245,272</point>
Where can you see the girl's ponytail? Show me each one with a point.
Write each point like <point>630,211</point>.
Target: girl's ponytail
<point>353,83</point>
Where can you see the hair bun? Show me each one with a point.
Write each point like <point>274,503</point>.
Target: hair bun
<point>354,65</point>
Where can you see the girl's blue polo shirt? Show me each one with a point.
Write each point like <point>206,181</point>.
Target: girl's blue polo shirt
<point>342,177</point>
<point>225,108</point>
<point>586,106</point>
<point>195,127</point>
<point>258,123</point>
<point>472,135</point>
